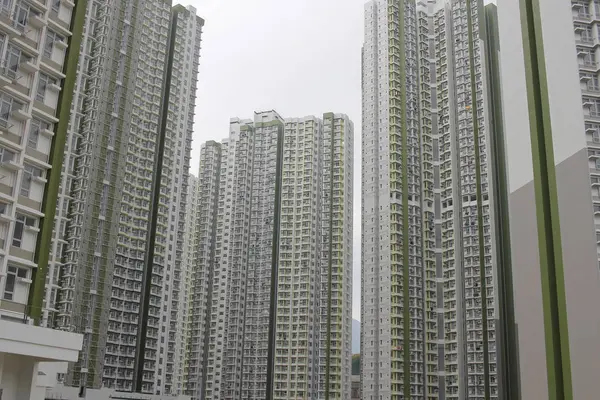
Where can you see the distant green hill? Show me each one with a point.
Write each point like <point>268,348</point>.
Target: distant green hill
<point>356,364</point>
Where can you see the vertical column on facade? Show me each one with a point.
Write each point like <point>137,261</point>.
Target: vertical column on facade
<point>175,138</point>
<point>475,212</point>
<point>336,259</point>
<point>201,267</point>
<point>263,264</point>
<point>430,185</point>
<point>238,253</point>
<point>217,306</point>
<point>297,291</point>
<point>377,254</point>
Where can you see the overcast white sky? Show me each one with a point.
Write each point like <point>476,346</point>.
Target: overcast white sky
<point>297,57</point>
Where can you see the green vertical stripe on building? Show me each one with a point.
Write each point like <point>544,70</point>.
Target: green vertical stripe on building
<point>481,238</point>
<point>274,261</point>
<point>57,151</point>
<point>548,225</point>
<point>146,292</point>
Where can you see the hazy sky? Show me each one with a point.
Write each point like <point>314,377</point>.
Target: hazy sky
<point>297,57</point>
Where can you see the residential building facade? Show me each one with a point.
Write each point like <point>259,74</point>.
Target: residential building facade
<point>275,241</point>
<point>549,69</point>
<point>428,262</point>
<point>200,252</point>
<point>37,77</point>
<point>119,230</point>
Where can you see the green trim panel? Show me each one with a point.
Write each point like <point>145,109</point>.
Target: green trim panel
<point>549,238</point>
<point>274,258</point>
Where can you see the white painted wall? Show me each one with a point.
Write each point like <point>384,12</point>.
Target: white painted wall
<point>64,13</point>
<point>22,348</point>
<point>516,112</point>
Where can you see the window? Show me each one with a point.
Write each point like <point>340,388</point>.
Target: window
<point>11,277</point>
<point>6,103</point>
<point>34,132</point>
<point>5,6</point>
<point>29,172</point>
<point>20,223</point>
<point>3,208</point>
<point>55,6</point>
<point>51,38</point>
<point>43,82</point>
<point>9,286</point>
<point>6,155</point>
<point>13,58</point>
<point>49,45</point>
<point>21,16</point>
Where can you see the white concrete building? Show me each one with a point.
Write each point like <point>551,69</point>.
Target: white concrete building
<point>550,96</point>
<point>31,357</point>
<point>199,252</point>
<point>428,262</point>
<point>171,196</point>
<point>129,139</point>
<point>275,242</point>
<point>34,70</point>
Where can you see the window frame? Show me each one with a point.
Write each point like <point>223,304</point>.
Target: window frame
<point>21,221</point>
<point>12,273</point>
<point>29,172</point>
<point>35,123</point>
<point>45,80</point>
<point>5,101</point>
<point>25,9</point>
<point>4,152</point>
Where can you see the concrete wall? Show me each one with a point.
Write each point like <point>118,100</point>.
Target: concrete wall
<point>569,194</point>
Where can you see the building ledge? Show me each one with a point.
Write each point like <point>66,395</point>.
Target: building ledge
<point>42,344</point>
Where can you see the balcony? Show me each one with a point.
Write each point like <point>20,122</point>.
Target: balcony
<point>24,42</point>
<point>585,40</point>
<point>37,21</point>
<point>582,16</point>
<point>593,116</point>
<point>41,5</point>
<point>589,66</point>
<point>29,66</point>
<point>591,90</point>
<point>58,25</point>
<point>7,76</point>
<point>52,67</point>
<point>7,25</point>
<point>20,114</point>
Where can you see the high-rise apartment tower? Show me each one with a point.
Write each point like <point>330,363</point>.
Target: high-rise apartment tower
<point>271,289</point>
<point>120,226</point>
<point>37,77</point>
<point>428,253</point>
